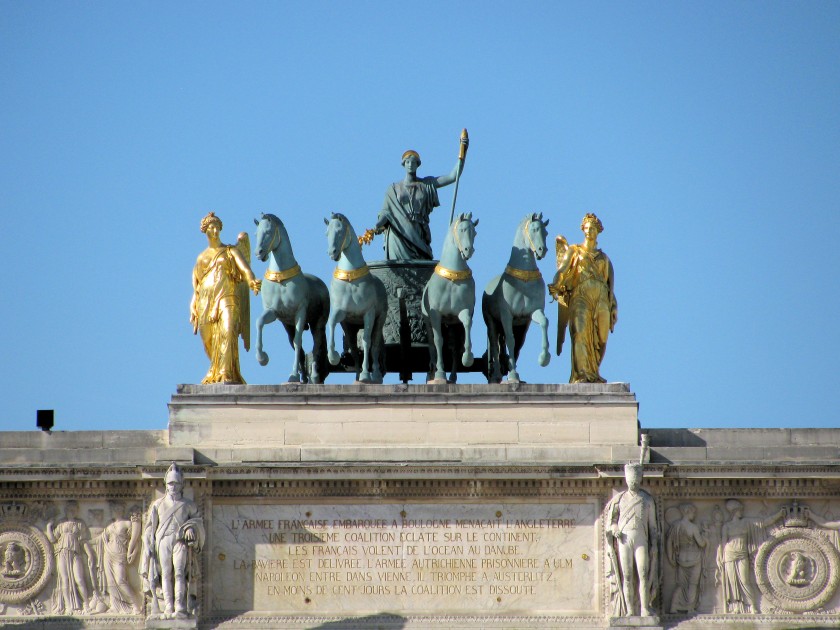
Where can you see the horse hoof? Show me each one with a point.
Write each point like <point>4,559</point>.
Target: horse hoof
<point>513,378</point>
<point>545,357</point>
<point>467,359</point>
<point>293,378</point>
<point>364,377</point>
<point>333,357</point>
<point>262,358</point>
<point>439,379</point>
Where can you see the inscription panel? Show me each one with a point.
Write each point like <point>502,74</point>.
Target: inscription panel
<point>408,557</point>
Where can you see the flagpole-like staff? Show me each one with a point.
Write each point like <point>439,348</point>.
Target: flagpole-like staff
<point>462,156</point>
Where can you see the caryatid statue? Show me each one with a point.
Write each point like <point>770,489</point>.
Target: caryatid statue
<point>173,535</point>
<point>404,218</point>
<point>633,547</point>
<point>220,310</point>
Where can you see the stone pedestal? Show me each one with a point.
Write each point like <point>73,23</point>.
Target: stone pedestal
<point>386,423</point>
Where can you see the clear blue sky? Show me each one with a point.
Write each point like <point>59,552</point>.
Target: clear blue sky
<point>706,135</point>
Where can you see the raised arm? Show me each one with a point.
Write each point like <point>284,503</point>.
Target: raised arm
<point>773,518</point>
<point>819,520</point>
<point>445,180</point>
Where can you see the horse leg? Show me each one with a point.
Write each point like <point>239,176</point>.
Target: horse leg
<point>538,317</point>
<point>267,317</point>
<point>465,317</point>
<point>510,342</point>
<point>299,362</point>
<point>336,317</point>
<point>319,340</point>
<point>370,316</point>
<point>494,372</point>
<point>378,348</point>
<point>437,342</point>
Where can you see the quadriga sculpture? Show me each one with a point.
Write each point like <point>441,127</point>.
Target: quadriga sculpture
<point>514,299</point>
<point>357,301</point>
<point>299,300</point>
<point>449,296</point>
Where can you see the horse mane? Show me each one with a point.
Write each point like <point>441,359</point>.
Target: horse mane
<point>272,217</point>
<point>340,217</point>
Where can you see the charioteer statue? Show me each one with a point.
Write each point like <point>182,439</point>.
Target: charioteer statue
<point>404,218</point>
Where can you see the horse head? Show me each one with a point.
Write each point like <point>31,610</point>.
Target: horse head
<point>269,235</point>
<point>463,233</point>
<point>339,234</point>
<point>535,233</point>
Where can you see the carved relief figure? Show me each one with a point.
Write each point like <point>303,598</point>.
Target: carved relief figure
<point>172,537</point>
<point>685,550</point>
<point>583,287</point>
<point>800,569</point>
<point>119,543</point>
<point>404,218</point>
<point>14,560</point>
<point>821,521</point>
<point>220,310</point>
<point>740,538</point>
<point>712,599</point>
<point>74,562</point>
<point>632,546</point>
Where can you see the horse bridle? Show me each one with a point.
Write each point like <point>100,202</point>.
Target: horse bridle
<point>527,234</point>
<point>455,233</point>
<point>346,224</point>
<point>274,235</point>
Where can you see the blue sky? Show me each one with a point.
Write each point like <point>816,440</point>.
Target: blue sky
<point>705,135</point>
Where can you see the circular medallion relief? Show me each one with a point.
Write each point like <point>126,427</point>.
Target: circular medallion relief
<point>798,570</point>
<point>26,562</point>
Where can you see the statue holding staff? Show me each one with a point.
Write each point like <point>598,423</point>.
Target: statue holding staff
<point>404,218</point>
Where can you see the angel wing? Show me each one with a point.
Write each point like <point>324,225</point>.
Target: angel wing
<point>243,244</point>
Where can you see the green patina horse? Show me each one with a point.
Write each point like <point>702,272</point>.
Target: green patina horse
<point>514,299</point>
<point>298,300</point>
<point>357,301</point>
<point>449,297</point>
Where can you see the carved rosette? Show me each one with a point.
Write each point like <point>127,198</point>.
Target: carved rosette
<point>26,562</point>
<point>797,570</point>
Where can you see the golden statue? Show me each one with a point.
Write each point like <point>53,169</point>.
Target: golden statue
<point>220,308</point>
<point>583,288</point>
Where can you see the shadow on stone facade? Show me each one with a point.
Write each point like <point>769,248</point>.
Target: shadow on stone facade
<point>45,623</point>
<point>380,622</point>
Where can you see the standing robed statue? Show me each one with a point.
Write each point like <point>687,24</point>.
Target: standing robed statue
<point>583,288</point>
<point>220,309</point>
<point>404,218</point>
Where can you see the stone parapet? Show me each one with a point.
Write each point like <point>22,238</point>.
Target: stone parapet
<point>505,423</point>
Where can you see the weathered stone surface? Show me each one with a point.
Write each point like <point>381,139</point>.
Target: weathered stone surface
<point>409,557</point>
<point>271,453</point>
<point>544,421</point>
